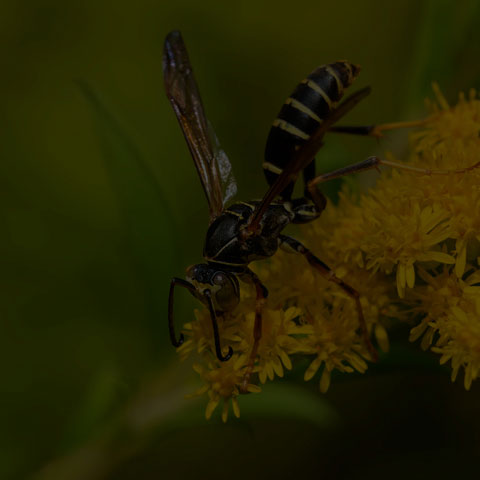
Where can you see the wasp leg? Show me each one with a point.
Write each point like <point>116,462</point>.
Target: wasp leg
<point>181,283</point>
<point>375,162</point>
<point>377,130</point>
<point>262,294</point>
<point>313,194</point>
<point>294,246</point>
<point>216,335</point>
<point>364,130</point>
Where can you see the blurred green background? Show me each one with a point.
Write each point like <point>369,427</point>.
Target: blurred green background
<point>101,206</point>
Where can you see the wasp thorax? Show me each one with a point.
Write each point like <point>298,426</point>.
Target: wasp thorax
<point>221,287</point>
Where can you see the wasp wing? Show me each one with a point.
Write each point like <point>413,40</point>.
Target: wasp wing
<point>212,164</point>
<point>227,179</point>
<point>303,156</point>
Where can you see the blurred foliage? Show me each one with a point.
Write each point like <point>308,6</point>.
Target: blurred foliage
<point>89,245</point>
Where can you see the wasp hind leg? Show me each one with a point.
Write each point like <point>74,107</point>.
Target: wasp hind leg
<point>312,204</point>
<point>291,245</point>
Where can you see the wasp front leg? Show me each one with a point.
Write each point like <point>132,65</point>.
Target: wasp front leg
<point>294,246</point>
<point>262,294</point>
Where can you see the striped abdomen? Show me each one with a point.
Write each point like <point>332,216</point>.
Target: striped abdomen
<point>302,113</point>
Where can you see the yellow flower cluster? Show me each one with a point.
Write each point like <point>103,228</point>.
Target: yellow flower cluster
<point>410,246</point>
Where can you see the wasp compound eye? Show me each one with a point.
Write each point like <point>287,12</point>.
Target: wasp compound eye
<point>200,273</point>
<point>227,295</point>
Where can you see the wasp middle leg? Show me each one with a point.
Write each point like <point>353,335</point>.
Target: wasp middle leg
<point>291,245</point>
<point>376,162</point>
<point>262,294</point>
<point>377,130</point>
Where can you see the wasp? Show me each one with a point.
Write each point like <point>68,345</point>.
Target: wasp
<point>244,232</point>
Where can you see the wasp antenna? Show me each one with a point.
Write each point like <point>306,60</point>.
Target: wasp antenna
<point>216,336</point>
<point>181,283</point>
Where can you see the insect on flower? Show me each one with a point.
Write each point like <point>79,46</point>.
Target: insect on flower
<point>247,231</point>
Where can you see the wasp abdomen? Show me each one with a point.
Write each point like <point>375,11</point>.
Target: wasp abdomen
<point>302,113</point>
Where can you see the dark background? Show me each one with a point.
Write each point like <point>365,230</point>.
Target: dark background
<point>100,206</point>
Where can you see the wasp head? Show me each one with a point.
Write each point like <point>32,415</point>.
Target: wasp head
<point>222,286</point>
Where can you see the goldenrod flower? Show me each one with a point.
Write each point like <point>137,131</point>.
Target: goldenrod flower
<point>410,246</point>
<point>450,326</point>
<point>276,342</point>
<point>221,383</point>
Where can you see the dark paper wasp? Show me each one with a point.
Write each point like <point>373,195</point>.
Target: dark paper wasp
<point>247,231</point>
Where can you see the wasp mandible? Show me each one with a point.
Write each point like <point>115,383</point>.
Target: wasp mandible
<point>247,231</point>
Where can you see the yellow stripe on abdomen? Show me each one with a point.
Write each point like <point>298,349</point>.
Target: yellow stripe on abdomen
<point>288,127</point>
